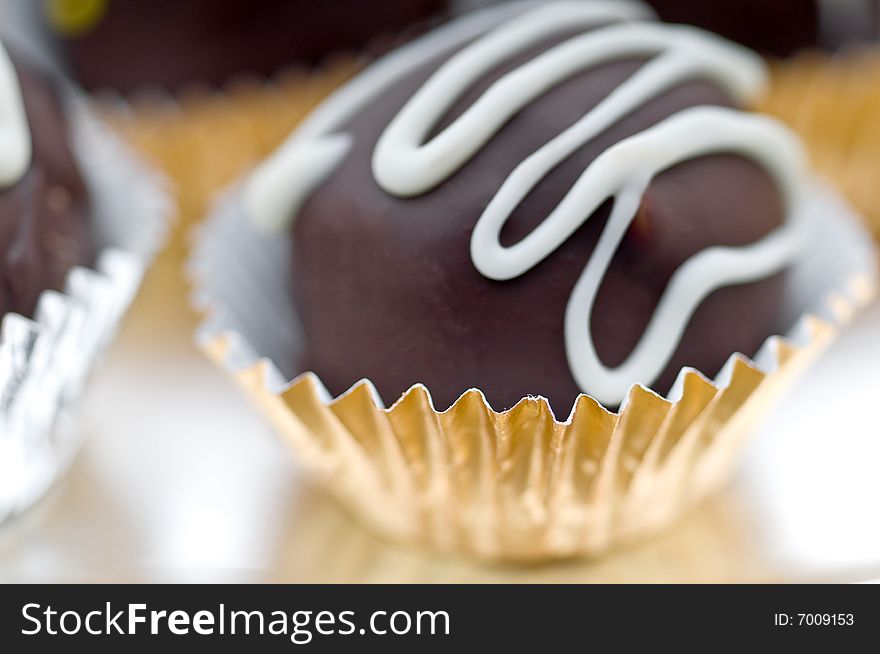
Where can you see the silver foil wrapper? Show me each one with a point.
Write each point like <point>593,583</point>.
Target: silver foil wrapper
<point>45,362</point>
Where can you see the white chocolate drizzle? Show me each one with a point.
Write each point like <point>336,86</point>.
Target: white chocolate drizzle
<point>15,136</point>
<point>404,164</point>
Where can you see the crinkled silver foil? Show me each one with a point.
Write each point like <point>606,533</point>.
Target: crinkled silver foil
<point>45,362</point>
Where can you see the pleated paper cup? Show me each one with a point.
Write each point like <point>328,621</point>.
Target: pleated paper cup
<point>833,102</point>
<point>45,361</point>
<point>522,484</point>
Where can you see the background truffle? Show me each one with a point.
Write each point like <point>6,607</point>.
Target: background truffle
<point>129,44</point>
<point>778,27</point>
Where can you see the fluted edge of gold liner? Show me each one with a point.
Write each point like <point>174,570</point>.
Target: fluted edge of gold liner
<point>519,484</point>
<point>833,102</point>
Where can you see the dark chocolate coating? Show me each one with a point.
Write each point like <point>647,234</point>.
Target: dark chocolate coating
<point>776,27</point>
<point>167,43</point>
<point>386,288</point>
<point>44,217</point>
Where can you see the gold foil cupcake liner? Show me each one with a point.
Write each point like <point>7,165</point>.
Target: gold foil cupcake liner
<point>45,361</point>
<point>519,484</point>
<point>833,102</point>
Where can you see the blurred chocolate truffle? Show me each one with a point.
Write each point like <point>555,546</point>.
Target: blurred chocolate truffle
<point>44,208</point>
<point>455,228</point>
<point>780,27</point>
<point>131,44</point>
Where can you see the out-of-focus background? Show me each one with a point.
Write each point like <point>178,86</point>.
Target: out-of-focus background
<point>181,480</point>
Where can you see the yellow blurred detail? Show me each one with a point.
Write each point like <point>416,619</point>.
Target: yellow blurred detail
<point>74,17</point>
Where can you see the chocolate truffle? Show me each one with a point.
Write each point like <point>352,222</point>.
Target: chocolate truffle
<point>780,27</point>
<point>44,213</point>
<point>567,203</point>
<point>130,44</point>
